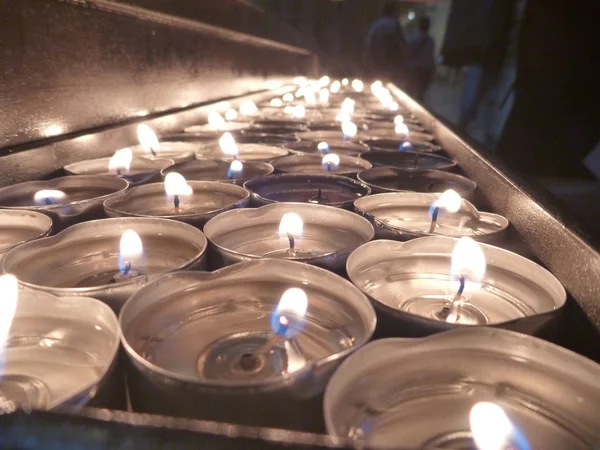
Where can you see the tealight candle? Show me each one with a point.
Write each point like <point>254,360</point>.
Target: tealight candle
<point>244,148</point>
<point>293,125</point>
<point>323,148</point>
<point>465,389</point>
<point>333,137</point>
<point>193,202</point>
<point>394,145</point>
<point>235,171</point>
<point>409,160</point>
<point>329,163</point>
<point>54,352</point>
<point>150,146</point>
<point>329,190</point>
<point>67,200</point>
<point>213,132</point>
<point>18,226</point>
<point>390,179</point>
<point>406,215</point>
<point>435,283</point>
<point>323,236</point>
<point>247,362</point>
<point>104,259</point>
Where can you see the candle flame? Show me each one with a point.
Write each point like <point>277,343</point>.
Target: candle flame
<point>335,87</point>
<point>392,106</point>
<point>450,201</point>
<point>289,97</point>
<point>9,286</point>
<point>468,260</point>
<point>120,161</point>
<point>276,102</point>
<point>310,98</point>
<point>343,117</point>
<point>401,129</point>
<point>176,184</point>
<point>130,248</point>
<point>292,224</point>
<point>348,106</point>
<point>236,169</point>
<point>49,197</point>
<point>323,147</point>
<point>330,162</point>
<point>349,129</point>
<point>345,82</point>
<point>231,114</point>
<point>324,81</point>
<point>324,95</point>
<point>288,318</point>
<point>248,108</point>
<point>358,85</point>
<point>490,426</point>
<point>215,120</point>
<point>228,145</point>
<point>148,139</point>
<point>299,112</point>
<point>398,119</point>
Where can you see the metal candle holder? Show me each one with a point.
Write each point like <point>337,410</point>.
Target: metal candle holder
<point>178,152</point>
<point>208,199</point>
<point>394,145</point>
<point>330,234</point>
<point>84,259</point>
<point>329,190</point>
<point>339,148</point>
<point>390,179</point>
<point>331,137</point>
<point>250,148</point>
<point>412,289</point>
<point>348,165</point>
<point>18,226</point>
<point>83,200</point>
<point>59,351</point>
<point>189,335</point>
<point>142,169</point>
<point>463,387</point>
<point>219,170</point>
<point>409,160</point>
<point>406,215</point>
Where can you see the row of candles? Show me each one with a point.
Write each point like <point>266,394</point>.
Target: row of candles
<point>270,315</point>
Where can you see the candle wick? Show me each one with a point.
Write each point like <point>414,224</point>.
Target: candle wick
<point>119,172</point>
<point>434,218</point>
<point>461,289</point>
<point>319,194</point>
<point>47,201</point>
<point>268,346</point>
<point>126,268</point>
<point>328,167</point>
<point>292,242</point>
<point>176,200</point>
<point>152,151</point>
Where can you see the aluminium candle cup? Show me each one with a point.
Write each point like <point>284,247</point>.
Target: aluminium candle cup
<point>409,160</point>
<point>410,286</point>
<point>207,129</point>
<point>18,226</point>
<point>250,148</point>
<point>208,199</point>
<point>390,179</point>
<point>339,148</point>
<point>84,197</point>
<point>388,126</point>
<point>395,145</point>
<point>402,216</point>
<point>298,124</point>
<point>59,352</point>
<point>331,137</point>
<point>530,394</point>
<point>83,260</point>
<point>219,170</point>
<point>348,166</point>
<point>389,132</point>
<point>142,169</point>
<point>286,132</point>
<point>178,152</point>
<point>186,333</point>
<point>329,235</point>
<point>332,190</point>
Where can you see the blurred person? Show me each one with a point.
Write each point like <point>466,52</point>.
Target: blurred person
<point>385,45</point>
<point>420,60</point>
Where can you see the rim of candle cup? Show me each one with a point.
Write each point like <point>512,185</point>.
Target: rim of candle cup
<point>244,141</point>
<point>415,137</point>
<point>324,125</point>
<point>84,231</point>
<point>284,132</point>
<point>289,164</point>
<point>117,206</point>
<point>269,140</point>
<point>365,206</point>
<point>254,184</point>
<point>339,148</point>
<point>74,181</point>
<point>177,151</point>
<point>272,267</point>
<point>186,169</point>
<point>279,123</point>
<point>374,253</point>
<point>462,185</point>
<point>393,145</point>
<point>333,136</point>
<point>48,304</point>
<point>37,221</point>
<point>479,344</point>
<point>99,166</point>
<point>262,211</point>
<point>375,157</point>
<point>207,128</point>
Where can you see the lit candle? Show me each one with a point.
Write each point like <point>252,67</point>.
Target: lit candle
<point>335,87</point>
<point>215,120</point>
<point>248,108</point>
<point>349,129</point>
<point>376,87</point>
<point>324,96</point>
<point>299,112</point>
<point>148,139</point>
<point>276,102</point>
<point>235,170</point>
<point>231,114</point>
<point>176,185</point>
<point>401,129</point>
<point>121,161</point>
<point>324,81</point>
<point>228,145</point>
<point>449,201</point>
<point>330,162</point>
<point>492,429</point>
<point>49,197</point>
<point>358,85</point>
<point>345,82</point>
<point>398,119</point>
<point>289,97</point>
<point>291,227</point>
<point>131,248</point>
<point>323,147</point>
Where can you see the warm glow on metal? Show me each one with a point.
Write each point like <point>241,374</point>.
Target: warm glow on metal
<point>49,197</point>
<point>490,426</point>
<point>228,145</point>
<point>148,139</point>
<point>120,161</point>
<point>176,184</point>
<point>9,287</point>
<point>468,260</point>
<point>248,108</point>
<point>349,129</point>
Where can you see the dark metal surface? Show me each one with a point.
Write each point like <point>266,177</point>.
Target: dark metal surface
<point>70,65</point>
